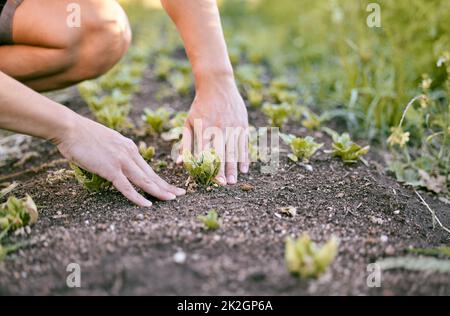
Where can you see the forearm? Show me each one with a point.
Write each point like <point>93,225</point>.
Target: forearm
<point>25,111</point>
<point>198,22</point>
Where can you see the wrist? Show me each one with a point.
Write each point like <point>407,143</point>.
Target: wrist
<point>64,127</point>
<point>212,78</point>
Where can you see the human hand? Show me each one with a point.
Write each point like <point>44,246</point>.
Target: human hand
<point>107,153</point>
<point>218,118</point>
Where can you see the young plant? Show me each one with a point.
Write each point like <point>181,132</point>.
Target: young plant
<point>16,213</point>
<point>147,152</point>
<point>176,127</point>
<point>277,114</point>
<point>90,181</point>
<point>157,120</point>
<point>302,148</point>
<point>345,148</point>
<point>307,260</point>
<point>113,116</point>
<point>203,168</point>
<point>210,221</point>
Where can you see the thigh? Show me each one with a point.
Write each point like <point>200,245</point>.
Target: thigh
<point>45,22</point>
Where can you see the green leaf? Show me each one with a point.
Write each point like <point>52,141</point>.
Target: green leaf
<point>306,259</point>
<point>346,149</point>
<point>16,213</point>
<point>157,120</point>
<point>277,114</point>
<point>203,168</point>
<point>90,181</point>
<point>211,220</point>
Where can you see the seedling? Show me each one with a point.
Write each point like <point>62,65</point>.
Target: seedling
<point>202,168</point>
<point>160,165</point>
<point>16,213</point>
<point>90,181</point>
<point>113,116</point>
<point>163,66</point>
<point>210,221</point>
<point>307,260</point>
<point>182,83</point>
<point>177,124</point>
<point>302,148</point>
<point>147,152</point>
<point>347,150</point>
<point>255,97</point>
<point>157,120</point>
<point>277,114</point>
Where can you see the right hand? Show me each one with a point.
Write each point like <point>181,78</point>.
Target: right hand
<point>110,155</point>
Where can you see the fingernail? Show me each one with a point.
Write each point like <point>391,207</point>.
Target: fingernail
<point>148,204</point>
<point>172,196</point>
<point>180,191</point>
<point>231,180</point>
<point>221,181</point>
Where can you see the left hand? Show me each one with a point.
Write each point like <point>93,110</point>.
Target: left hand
<point>219,107</point>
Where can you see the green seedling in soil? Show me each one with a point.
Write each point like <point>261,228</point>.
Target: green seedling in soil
<point>182,83</point>
<point>88,89</point>
<point>210,221</point>
<point>160,165</point>
<point>163,67</point>
<point>147,152</point>
<point>307,260</point>
<point>90,181</point>
<point>345,148</point>
<point>113,116</point>
<point>157,120</point>
<point>255,97</point>
<point>16,213</point>
<point>202,168</point>
<point>302,148</point>
<point>277,114</point>
<point>177,125</point>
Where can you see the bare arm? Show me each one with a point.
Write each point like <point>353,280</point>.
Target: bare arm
<point>90,145</point>
<point>217,102</point>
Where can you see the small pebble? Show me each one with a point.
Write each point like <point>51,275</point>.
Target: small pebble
<point>179,257</point>
<point>384,238</point>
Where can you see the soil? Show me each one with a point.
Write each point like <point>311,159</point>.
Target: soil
<point>123,249</point>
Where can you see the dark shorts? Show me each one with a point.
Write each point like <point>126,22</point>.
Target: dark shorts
<point>7,10</point>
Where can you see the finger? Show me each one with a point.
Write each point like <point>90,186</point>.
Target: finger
<point>219,147</point>
<point>231,160</point>
<point>244,159</point>
<point>186,142</point>
<point>124,186</point>
<point>145,182</point>
<point>158,180</point>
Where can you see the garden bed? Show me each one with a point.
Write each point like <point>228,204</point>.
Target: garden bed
<point>122,249</point>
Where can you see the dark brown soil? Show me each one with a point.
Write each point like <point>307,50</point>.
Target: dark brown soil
<point>123,249</point>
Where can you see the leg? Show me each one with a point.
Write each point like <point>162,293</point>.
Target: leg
<point>48,54</point>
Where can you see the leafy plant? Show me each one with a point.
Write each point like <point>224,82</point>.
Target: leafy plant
<point>177,125</point>
<point>440,251</point>
<point>90,181</point>
<point>113,116</point>
<point>16,213</point>
<point>157,120</point>
<point>204,167</point>
<point>211,220</point>
<point>345,148</point>
<point>307,260</point>
<point>302,148</point>
<point>277,114</point>
<point>147,152</point>
<point>426,164</point>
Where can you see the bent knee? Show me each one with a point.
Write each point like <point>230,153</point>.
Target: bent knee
<point>102,39</point>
